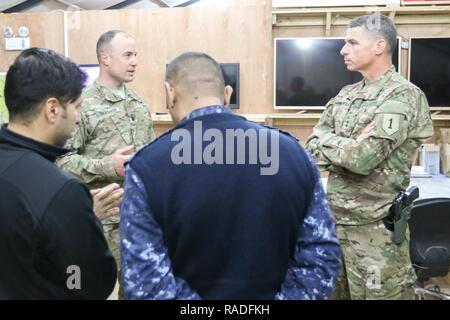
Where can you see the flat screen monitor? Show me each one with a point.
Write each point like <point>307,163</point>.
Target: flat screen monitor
<point>231,76</point>
<point>311,71</point>
<point>92,71</point>
<point>429,68</point>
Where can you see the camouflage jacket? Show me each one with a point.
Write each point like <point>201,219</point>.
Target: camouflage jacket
<point>366,175</point>
<point>108,123</point>
<point>3,114</point>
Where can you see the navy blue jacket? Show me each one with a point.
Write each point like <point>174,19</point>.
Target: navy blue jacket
<point>229,230</point>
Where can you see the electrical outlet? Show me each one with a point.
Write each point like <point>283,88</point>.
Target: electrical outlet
<point>17,43</point>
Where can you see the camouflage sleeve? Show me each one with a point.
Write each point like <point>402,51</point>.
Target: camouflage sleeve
<point>394,121</point>
<point>145,263</point>
<point>88,169</point>
<point>151,130</point>
<point>3,112</point>
<point>316,263</point>
<point>422,128</point>
<point>325,125</point>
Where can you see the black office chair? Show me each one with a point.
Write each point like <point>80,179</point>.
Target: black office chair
<point>429,247</point>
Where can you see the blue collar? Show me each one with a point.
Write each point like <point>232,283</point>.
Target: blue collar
<point>207,110</point>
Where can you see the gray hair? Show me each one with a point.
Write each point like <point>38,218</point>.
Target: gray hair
<point>378,25</point>
<point>105,39</point>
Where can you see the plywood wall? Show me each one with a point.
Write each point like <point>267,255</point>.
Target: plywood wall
<point>46,30</point>
<point>239,33</point>
<point>230,34</point>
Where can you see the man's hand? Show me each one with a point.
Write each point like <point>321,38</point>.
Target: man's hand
<point>120,157</point>
<point>366,132</point>
<point>107,200</point>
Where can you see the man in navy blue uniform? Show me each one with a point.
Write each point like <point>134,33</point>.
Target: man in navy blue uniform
<point>223,208</point>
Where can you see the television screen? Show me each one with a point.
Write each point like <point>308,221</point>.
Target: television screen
<point>92,71</point>
<point>311,71</point>
<point>231,76</point>
<point>429,68</point>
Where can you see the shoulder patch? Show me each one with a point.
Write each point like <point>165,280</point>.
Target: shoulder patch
<point>391,123</point>
<point>390,117</point>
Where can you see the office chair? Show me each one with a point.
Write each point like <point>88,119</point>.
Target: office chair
<point>429,247</point>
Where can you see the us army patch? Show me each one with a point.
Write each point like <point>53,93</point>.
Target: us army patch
<point>391,123</point>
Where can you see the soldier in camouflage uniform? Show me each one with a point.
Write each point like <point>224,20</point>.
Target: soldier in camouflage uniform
<point>115,123</point>
<point>367,139</point>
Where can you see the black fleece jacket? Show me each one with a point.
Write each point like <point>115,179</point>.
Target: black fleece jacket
<point>51,243</point>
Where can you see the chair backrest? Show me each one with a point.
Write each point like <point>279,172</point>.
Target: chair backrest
<point>430,237</point>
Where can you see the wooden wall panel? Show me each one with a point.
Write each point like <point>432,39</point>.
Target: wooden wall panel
<point>230,34</point>
<point>241,33</point>
<point>46,30</point>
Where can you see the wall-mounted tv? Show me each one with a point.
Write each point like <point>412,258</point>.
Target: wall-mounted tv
<point>429,68</point>
<point>311,71</point>
<point>232,78</point>
<point>92,71</point>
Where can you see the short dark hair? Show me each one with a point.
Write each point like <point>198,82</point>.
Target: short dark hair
<point>380,26</point>
<point>197,72</point>
<point>36,75</point>
<point>105,39</point>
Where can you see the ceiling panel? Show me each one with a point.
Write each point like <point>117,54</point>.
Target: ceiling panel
<point>49,5</point>
<point>94,4</point>
<point>5,4</point>
<point>144,4</point>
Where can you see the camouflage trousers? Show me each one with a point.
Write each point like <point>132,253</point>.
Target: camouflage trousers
<point>112,235</point>
<point>373,266</point>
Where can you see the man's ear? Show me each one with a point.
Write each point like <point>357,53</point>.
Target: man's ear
<point>51,109</point>
<point>170,95</point>
<point>380,46</point>
<point>105,59</point>
<point>228,91</point>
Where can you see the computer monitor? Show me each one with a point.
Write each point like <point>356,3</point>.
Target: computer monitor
<point>231,76</point>
<point>429,68</point>
<point>311,71</point>
<point>92,72</point>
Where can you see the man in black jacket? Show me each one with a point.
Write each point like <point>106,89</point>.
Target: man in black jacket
<point>51,243</point>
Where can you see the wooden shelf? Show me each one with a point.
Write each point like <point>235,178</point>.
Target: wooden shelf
<point>341,16</point>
